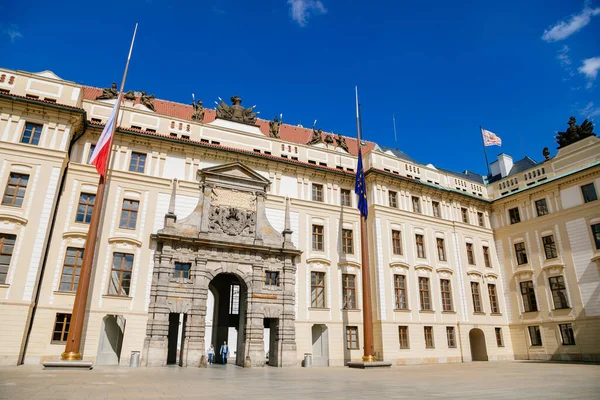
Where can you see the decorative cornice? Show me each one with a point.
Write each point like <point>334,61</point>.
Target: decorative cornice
<point>75,235</point>
<point>399,264</point>
<point>13,218</point>
<point>315,260</point>
<point>124,239</point>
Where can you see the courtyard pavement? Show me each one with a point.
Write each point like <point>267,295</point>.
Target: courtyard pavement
<point>493,380</point>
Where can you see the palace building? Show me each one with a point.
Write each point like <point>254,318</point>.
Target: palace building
<point>220,226</point>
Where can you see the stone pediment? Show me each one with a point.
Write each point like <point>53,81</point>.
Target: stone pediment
<point>234,174</point>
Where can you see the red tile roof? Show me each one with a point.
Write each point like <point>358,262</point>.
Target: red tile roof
<point>290,133</point>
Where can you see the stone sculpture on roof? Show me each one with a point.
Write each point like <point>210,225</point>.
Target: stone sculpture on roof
<point>198,111</point>
<point>546,153</point>
<point>340,141</point>
<point>575,132</point>
<point>316,136</point>
<point>274,127</point>
<point>147,100</point>
<point>235,112</point>
<point>328,139</point>
<point>109,93</point>
<point>129,95</point>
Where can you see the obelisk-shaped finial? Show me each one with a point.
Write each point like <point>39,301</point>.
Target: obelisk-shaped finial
<point>170,217</point>
<point>287,230</point>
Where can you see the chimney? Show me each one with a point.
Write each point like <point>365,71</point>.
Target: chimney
<point>505,164</point>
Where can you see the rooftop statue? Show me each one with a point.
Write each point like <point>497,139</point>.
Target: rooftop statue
<point>109,93</point>
<point>129,95</point>
<point>546,153</point>
<point>328,139</point>
<point>198,111</point>
<point>575,132</point>
<point>274,127</point>
<point>148,101</point>
<point>341,142</point>
<point>317,136</point>
<point>235,112</point>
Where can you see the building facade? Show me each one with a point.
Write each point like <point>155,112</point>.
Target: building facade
<point>222,227</point>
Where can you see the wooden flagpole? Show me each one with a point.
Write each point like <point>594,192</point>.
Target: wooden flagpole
<point>73,347</point>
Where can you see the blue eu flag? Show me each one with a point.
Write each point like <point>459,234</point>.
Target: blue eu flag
<point>361,188</point>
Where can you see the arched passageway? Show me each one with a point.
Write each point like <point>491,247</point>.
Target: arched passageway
<point>478,348</point>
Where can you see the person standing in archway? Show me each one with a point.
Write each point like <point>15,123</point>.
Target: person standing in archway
<point>224,352</point>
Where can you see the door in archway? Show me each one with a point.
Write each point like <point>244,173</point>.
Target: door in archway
<point>320,345</point>
<point>477,342</point>
<point>229,316</point>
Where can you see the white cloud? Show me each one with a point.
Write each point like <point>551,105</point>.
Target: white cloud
<point>564,29</point>
<point>13,32</point>
<point>565,61</point>
<point>302,9</point>
<point>590,110</point>
<point>590,69</point>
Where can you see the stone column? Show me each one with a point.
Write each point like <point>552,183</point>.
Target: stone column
<point>287,322</point>
<point>196,330</point>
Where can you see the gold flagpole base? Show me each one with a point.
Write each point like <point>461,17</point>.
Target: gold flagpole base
<point>368,358</point>
<point>70,356</point>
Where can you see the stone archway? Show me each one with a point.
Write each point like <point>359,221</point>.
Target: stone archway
<point>478,347</point>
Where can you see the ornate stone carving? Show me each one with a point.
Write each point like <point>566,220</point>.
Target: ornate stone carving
<point>316,136</point>
<point>235,112</point>
<point>147,100</point>
<point>231,221</point>
<point>109,93</point>
<point>575,132</point>
<point>129,95</point>
<point>198,111</point>
<point>340,141</point>
<point>546,153</point>
<point>233,198</point>
<point>274,127</point>
<point>328,139</point>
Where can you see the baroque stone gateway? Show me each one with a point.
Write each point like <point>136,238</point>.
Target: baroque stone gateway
<point>226,242</point>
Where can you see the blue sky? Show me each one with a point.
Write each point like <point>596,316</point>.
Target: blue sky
<point>518,68</point>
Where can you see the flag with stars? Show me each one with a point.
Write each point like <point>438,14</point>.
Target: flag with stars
<point>361,188</point>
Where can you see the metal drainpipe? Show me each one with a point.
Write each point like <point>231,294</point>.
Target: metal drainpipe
<point>29,325</point>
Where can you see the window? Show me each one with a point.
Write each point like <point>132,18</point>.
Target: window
<point>596,235</point>
<point>182,270</point>
<point>441,249</point>
<point>7,246</point>
<point>559,292</point>
<point>345,198</point>
<point>317,286</point>
<point>272,278</point>
<point>416,204</point>
<point>31,134</point>
<point>120,276</point>
<point>61,328</point>
<point>420,246</point>
<point>393,199</point>
<point>486,257</point>
<point>85,208</point>
<point>451,337</point>
<point>15,190</point>
<point>234,300</point>
<point>499,339</point>
<point>436,208</point>
<point>514,216</point>
<point>347,242</point>
<point>317,192</point>
<point>317,237</point>
<point>446,295</point>
<point>352,337</point>
<point>397,242</point>
<point>428,330</point>
<point>528,295</point>
<point>589,193</point>
<point>92,148</point>
<point>424,294</point>
<point>349,291</point>
<point>465,215</point>
<point>521,253</point>
<point>138,162</point>
<point>549,247</point>
<point>476,297</point>
<point>541,207</point>
<point>480,219</point>
<point>470,255</point>
<point>493,298</point>
<point>71,269</point>
<point>400,292</point>
<point>566,333</point>
<point>535,335</point>
<point>129,214</point>
<point>403,337</point>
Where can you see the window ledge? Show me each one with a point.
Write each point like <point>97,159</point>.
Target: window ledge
<point>351,309</point>
<point>478,313</point>
<point>448,312</point>
<point>401,309</point>
<point>319,308</point>
<point>62,292</point>
<point>114,296</point>
<point>4,285</point>
<point>562,308</point>
<point>496,314</point>
<point>59,343</point>
<point>427,311</point>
